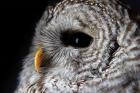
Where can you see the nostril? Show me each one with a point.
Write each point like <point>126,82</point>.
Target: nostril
<point>76,39</point>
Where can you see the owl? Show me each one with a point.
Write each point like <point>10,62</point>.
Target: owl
<point>83,46</point>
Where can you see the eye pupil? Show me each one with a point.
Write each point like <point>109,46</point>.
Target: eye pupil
<point>75,39</point>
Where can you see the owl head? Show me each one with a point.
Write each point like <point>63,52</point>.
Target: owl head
<point>78,37</point>
<point>83,46</point>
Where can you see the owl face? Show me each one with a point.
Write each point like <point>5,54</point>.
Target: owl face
<point>85,46</point>
<point>74,40</point>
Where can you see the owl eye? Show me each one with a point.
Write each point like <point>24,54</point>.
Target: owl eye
<point>75,39</point>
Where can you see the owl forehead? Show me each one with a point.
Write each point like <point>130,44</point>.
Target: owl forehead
<point>74,18</point>
<point>82,15</point>
<point>79,14</point>
<point>73,11</point>
<point>64,3</point>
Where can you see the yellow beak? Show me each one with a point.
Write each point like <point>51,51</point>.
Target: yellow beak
<point>38,59</point>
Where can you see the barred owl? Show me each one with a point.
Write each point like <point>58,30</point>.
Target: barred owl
<point>83,46</point>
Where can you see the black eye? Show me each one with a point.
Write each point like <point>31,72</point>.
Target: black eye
<point>75,39</point>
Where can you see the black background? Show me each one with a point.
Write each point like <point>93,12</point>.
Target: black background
<point>18,20</point>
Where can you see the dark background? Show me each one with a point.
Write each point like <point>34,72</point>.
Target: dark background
<point>18,19</point>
